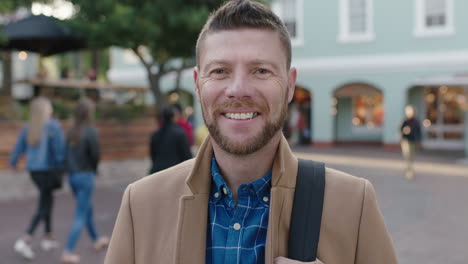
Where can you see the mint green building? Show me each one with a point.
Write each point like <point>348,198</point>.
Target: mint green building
<point>361,61</point>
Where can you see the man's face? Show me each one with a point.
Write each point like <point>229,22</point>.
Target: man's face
<point>244,87</point>
<point>409,112</point>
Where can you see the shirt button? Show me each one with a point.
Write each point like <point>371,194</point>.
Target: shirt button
<point>216,194</point>
<point>237,226</point>
<point>224,190</point>
<point>265,199</point>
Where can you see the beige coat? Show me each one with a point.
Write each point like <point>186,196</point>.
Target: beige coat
<point>163,217</point>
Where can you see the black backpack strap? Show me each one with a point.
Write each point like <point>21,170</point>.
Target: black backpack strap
<point>306,215</point>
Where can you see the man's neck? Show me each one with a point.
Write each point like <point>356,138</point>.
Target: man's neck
<point>241,169</point>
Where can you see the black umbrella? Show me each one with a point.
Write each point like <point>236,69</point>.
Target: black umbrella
<point>41,34</point>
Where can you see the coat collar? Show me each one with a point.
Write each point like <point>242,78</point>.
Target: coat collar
<point>284,166</point>
<point>284,163</point>
<point>199,179</point>
<point>193,214</point>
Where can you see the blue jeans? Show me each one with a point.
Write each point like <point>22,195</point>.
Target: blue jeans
<point>82,185</point>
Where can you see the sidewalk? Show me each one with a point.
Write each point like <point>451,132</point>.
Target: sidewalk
<point>16,216</point>
<point>438,162</point>
<point>17,194</point>
<point>17,185</point>
<point>17,204</point>
<point>438,156</point>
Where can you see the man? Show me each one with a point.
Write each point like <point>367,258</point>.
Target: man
<point>168,144</point>
<point>410,134</point>
<point>233,202</point>
<point>184,124</point>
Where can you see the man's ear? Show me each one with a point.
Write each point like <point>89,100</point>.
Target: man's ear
<point>292,75</point>
<point>196,76</point>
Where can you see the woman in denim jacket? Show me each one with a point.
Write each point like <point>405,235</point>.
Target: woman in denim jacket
<point>42,142</point>
<point>82,161</point>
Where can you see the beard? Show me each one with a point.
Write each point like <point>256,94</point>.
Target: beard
<point>250,145</point>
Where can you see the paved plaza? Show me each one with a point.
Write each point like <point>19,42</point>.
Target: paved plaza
<point>427,217</point>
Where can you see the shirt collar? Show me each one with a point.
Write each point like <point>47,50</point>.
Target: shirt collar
<point>220,189</point>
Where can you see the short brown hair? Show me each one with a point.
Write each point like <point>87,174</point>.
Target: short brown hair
<point>238,14</point>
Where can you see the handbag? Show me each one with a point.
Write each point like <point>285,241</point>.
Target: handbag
<point>56,179</point>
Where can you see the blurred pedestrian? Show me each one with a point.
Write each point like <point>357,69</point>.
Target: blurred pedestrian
<point>410,131</point>
<point>182,122</point>
<point>189,113</point>
<point>42,141</point>
<point>169,144</point>
<point>200,134</point>
<point>92,75</point>
<point>66,73</point>
<point>294,124</point>
<point>82,160</point>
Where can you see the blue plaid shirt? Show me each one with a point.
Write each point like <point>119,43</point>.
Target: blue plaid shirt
<point>237,234</point>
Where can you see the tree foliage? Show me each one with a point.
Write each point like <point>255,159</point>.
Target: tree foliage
<point>167,29</point>
<point>7,6</point>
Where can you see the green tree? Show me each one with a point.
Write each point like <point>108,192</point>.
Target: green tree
<point>158,31</point>
<point>7,6</point>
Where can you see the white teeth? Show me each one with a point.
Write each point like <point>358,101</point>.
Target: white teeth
<point>241,116</point>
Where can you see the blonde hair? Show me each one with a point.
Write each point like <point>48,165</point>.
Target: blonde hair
<point>40,113</point>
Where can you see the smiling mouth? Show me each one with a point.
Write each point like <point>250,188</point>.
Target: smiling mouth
<point>241,116</point>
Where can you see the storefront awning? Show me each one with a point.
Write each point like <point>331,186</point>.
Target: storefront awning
<point>457,79</point>
<point>82,84</point>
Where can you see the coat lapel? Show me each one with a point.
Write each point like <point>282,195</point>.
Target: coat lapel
<point>282,196</point>
<point>191,239</point>
<point>193,211</point>
<point>278,225</point>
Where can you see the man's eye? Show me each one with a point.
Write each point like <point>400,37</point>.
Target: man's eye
<point>219,71</point>
<point>263,71</point>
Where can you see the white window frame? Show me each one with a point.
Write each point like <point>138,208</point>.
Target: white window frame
<point>421,30</point>
<point>344,34</point>
<point>298,40</point>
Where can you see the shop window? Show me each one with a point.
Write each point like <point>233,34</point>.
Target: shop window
<point>444,115</point>
<point>368,111</point>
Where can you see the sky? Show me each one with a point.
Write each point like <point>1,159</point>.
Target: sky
<point>60,9</point>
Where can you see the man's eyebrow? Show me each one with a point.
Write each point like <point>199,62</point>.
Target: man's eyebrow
<point>252,62</point>
<point>214,62</point>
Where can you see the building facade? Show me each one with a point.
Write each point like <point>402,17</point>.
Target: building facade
<point>360,62</point>
<point>363,60</point>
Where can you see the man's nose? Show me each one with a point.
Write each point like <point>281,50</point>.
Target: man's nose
<point>239,86</point>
